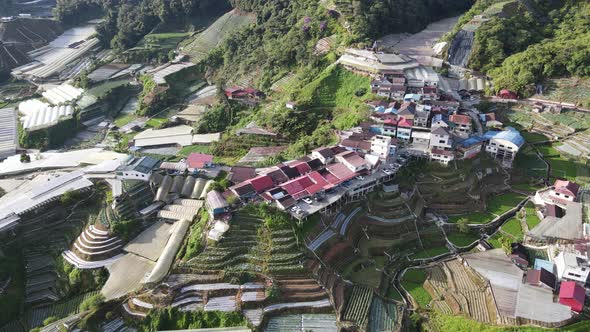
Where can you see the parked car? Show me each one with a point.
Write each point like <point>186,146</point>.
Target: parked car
<point>360,178</point>
<point>308,200</point>
<point>387,171</point>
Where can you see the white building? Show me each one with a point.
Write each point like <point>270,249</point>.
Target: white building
<point>440,139</point>
<point>504,145</point>
<point>381,146</point>
<point>572,267</point>
<point>325,155</point>
<point>352,161</point>
<point>8,132</point>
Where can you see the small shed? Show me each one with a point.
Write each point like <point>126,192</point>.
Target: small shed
<point>216,204</point>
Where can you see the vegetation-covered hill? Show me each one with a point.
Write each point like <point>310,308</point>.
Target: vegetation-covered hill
<point>374,18</point>
<point>539,39</point>
<point>127,21</point>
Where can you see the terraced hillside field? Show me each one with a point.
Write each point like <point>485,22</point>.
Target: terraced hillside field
<point>458,290</point>
<point>203,42</point>
<point>20,36</point>
<point>251,246</point>
<point>460,188</point>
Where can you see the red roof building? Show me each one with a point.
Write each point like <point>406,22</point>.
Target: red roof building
<point>405,123</point>
<point>199,160</point>
<point>566,190</point>
<point>239,174</point>
<point>507,94</point>
<point>262,183</point>
<point>460,119</point>
<point>572,295</point>
<point>302,167</point>
<point>298,185</point>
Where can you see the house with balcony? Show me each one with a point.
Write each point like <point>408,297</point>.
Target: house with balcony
<point>504,145</point>
<point>404,129</point>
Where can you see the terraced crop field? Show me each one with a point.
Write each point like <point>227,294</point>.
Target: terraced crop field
<point>34,317</point>
<point>501,204</point>
<point>359,302</point>
<point>462,239</point>
<point>412,282</point>
<point>513,228</point>
<point>251,246</point>
<point>384,316</point>
<point>200,46</point>
<point>532,219</point>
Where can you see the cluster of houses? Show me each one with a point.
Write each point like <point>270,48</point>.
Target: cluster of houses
<point>417,113</point>
<point>560,207</point>
<point>319,179</point>
<point>438,132</point>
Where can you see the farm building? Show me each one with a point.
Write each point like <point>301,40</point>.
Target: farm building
<point>8,132</point>
<point>216,204</point>
<point>513,298</point>
<point>191,115</point>
<point>59,54</point>
<point>160,74</point>
<point>253,129</point>
<point>139,169</point>
<point>259,154</point>
<point>36,193</point>
<point>507,94</point>
<point>40,115</point>
<point>376,64</point>
<point>174,136</point>
<point>62,94</point>
<point>239,174</point>
<point>565,229</point>
<point>199,161</point>
<point>206,139</point>
<point>248,96</point>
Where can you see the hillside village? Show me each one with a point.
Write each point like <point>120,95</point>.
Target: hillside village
<point>390,192</point>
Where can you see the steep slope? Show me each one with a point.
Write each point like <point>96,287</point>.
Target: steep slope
<point>19,36</point>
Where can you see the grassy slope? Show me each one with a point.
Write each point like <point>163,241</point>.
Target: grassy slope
<point>412,282</point>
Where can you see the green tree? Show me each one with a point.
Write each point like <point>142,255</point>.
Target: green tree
<point>92,303</point>
<point>463,225</point>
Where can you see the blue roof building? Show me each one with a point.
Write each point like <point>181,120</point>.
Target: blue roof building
<point>544,264</point>
<point>504,145</point>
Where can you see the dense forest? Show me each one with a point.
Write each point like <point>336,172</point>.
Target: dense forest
<point>564,52</point>
<point>127,21</point>
<point>375,18</point>
<point>540,39</point>
<point>282,40</point>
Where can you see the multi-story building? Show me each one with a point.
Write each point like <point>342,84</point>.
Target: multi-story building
<point>504,145</point>
<point>421,119</point>
<point>381,146</point>
<point>404,129</point>
<point>440,138</point>
<point>461,124</point>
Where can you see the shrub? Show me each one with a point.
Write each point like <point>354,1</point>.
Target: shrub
<point>50,320</point>
<point>273,293</point>
<point>125,228</point>
<point>92,303</point>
